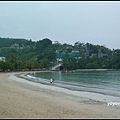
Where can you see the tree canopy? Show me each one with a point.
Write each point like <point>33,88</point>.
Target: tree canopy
<point>28,55</point>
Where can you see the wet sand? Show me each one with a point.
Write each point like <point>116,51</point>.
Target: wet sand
<point>20,98</point>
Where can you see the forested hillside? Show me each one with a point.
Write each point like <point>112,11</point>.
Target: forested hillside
<point>28,55</point>
<point>8,42</point>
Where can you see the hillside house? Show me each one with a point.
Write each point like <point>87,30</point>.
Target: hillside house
<point>2,59</point>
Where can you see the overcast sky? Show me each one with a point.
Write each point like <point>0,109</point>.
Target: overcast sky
<point>97,22</point>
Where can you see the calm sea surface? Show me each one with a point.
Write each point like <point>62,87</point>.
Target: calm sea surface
<point>105,82</point>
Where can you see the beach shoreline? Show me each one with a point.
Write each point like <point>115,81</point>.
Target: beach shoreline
<point>97,69</point>
<point>94,95</point>
<point>21,98</point>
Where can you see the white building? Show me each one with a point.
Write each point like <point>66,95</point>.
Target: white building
<point>2,59</point>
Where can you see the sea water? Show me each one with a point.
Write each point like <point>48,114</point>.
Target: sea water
<point>98,81</point>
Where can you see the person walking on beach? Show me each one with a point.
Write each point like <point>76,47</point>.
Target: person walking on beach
<point>52,81</point>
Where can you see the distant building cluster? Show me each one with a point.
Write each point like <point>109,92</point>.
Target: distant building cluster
<point>61,55</point>
<point>17,46</point>
<point>75,52</point>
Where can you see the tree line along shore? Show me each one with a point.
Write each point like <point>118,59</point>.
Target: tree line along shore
<point>26,55</point>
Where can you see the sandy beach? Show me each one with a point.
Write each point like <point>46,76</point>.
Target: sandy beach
<point>20,98</point>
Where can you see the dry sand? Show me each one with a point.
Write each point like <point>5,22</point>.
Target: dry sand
<point>27,99</point>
